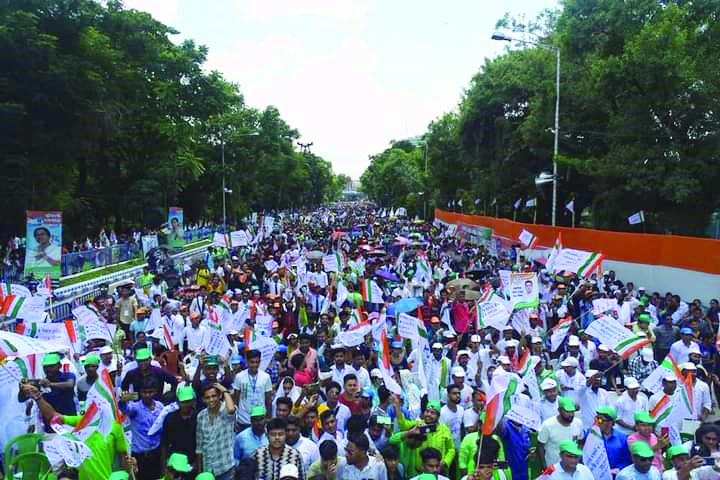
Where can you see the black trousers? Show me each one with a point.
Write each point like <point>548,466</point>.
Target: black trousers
<point>149,467</point>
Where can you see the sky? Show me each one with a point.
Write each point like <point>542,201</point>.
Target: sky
<point>350,75</point>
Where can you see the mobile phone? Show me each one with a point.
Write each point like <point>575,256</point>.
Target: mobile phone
<point>665,431</point>
<point>425,429</point>
<point>134,395</point>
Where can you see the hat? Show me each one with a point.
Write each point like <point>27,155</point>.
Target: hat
<point>236,360</point>
<point>437,345</point>
<point>258,411</point>
<point>647,354</point>
<point>458,371</point>
<point>676,450</point>
<point>337,346</point>
<point>569,362</point>
<point>688,366</point>
<point>642,449</point>
<point>289,471</point>
<point>603,347</point>
<point>212,361</point>
<point>631,382</point>
<point>507,327</point>
<point>644,317</point>
<point>475,338</point>
<point>194,315</point>
<point>570,447</point>
<point>609,411</point>
<point>686,331</point>
<point>50,359</point>
<point>463,352</point>
<point>375,372</point>
<point>119,475</point>
<point>91,360</point>
<point>573,341</point>
<point>504,359</point>
<point>142,354</point>
<point>547,384</point>
<point>670,378</point>
<point>434,404</point>
<point>448,335</point>
<point>694,348</point>
<point>591,373</point>
<point>185,393</point>
<point>324,375</point>
<point>536,340</point>
<point>396,344</point>
<point>105,349</point>
<point>179,463</point>
<point>644,417</point>
<point>567,404</point>
<point>512,343</point>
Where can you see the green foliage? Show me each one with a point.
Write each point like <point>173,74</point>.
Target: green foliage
<point>104,118</point>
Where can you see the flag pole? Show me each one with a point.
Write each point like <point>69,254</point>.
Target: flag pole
<point>535,213</point>
<point>573,214</point>
<point>480,442</point>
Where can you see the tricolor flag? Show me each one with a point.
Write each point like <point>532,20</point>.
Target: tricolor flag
<point>636,218</point>
<point>12,306</point>
<point>370,291</point>
<point>517,203</point>
<point>527,238</point>
<point>631,345</point>
<point>577,261</point>
<point>249,336</point>
<point>559,332</point>
<point>653,382</point>
<point>168,337</point>
<point>524,364</point>
<point>662,410</point>
<point>47,283</point>
<point>502,388</point>
<point>214,319</point>
<point>385,367</point>
<point>686,391</point>
<point>557,246</point>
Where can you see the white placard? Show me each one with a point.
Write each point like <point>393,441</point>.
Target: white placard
<point>493,312</point>
<point>608,331</point>
<point>216,342</point>
<point>524,290</point>
<point>271,266</point>
<point>505,281</point>
<point>239,238</point>
<point>330,263</point>
<point>263,325</point>
<point>267,347</point>
<point>219,240</point>
<point>525,416</point>
<point>408,326</point>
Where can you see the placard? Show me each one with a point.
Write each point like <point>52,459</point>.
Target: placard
<point>176,237</point>
<point>43,254</point>
<point>216,342</point>
<point>524,416</point>
<point>408,326</point>
<point>271,266</point>
<point>524,292</point>
<point>267,347</point>
<point>330,263</point>
<point>239,238</point>
<point>493,312</point>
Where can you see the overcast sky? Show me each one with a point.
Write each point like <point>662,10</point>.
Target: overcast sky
<point>350,75</point>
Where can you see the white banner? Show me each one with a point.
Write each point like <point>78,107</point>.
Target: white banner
<point>595,456</point>
<point>493,312</point>
<point>267,347</point>
<point>408,326</point>
<point>330,263</point>
<point>525,416</point>
<point>608,331</point>
<point>239,238</point>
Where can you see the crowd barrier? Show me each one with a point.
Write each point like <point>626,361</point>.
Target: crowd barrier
<point>688,266</point>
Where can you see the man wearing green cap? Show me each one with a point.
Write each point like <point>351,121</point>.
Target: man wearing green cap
<point>615,441</point>
<point>138,376</point>
<point>569,465</point>
<point>62,394</point>
<point>179,427</point>
<point>555,430</point>
<point>84,383</point>
<point>686,468</point>
<point>177,467</point>
<point>644,426</point>
<point>642,466</point>
<point>251,438</point>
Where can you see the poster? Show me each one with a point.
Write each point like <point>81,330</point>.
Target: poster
<point>176,237</point>
<point>44,244</point>
<point>148,243</point>
<point>524,290</point>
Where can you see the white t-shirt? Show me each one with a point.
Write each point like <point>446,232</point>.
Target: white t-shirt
<point>552,433</point>
<point>703,473</point>
<point>309,451</point>
<point>375,470</point>
<point>470,418</point>
<point>453,420</point>
<point>251,393</point>
<point>626,408</point>
<point>581,473</point>
<point>195,337</point>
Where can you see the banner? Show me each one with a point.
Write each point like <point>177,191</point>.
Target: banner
<point>44,244</point>
<point>148,243</point>
<point>493,312</point>
<point>525,416</point>
<point>176,237</point>
<point>239,238</point>
<point>524,290</point>
<point>330,263</point>
<point>595,456</point>
<point>622,340</point>
<point>577,261</point>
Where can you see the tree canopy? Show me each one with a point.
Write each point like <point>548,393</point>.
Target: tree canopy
<point>638,119</point>
<point>103,117</point>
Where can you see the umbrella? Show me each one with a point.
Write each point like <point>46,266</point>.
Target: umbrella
<point>315,255</point>
<point>462,284</point>
<point>387,275</point>
<point>406,305</point>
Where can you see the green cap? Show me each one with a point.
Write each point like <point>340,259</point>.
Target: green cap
<point>568,446</point>
<point>676,450</point>
<point>609,411</point>
<point>258,412</point>
<point>567,404</point>
<point>205,476</point>
<point>119,475</point>
<point>50,359</point>
<point>644,317</point>
<point>142,354</point>
<point>211,361</point>
<point>426,476</point>
<point>91,360</point>
<point>185,393</point>
<point>642,449</point>
<point>644,417</point>
<point>644,300</point>
<point>435,405</point>
<point>179,463</point>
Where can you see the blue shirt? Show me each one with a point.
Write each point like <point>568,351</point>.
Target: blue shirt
<point>246,443</point>
<point>141,419</point>
<point>617,450</point>
<point>630,473</point>
<point>517,446</point>
<point>63,401</point>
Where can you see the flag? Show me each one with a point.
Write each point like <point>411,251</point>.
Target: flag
<point>384,365</point>
<point>477,201</point>
<point>531,202</point>
<point>571,206</point>
<point>527,239</point>
<point>370,291</point>
<point>595,456</point>
<point>636,218</point>
<point>12,306</point>
<point>493,202</point>
<point>653,382</point>
<point>662,410</point>
<point>47,283</point>
<point>502,388</point>
<point>102,396</point>
<point>559,332</point>
<point>517,203</point>
<point>460,202</point>
<point>167,336</point>
<point>554,252</point>
<point>577,261</point>
<point>686,391</point>
<point>631,345</point>
<point>622,340</point>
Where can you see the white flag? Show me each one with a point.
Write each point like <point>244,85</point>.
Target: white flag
<point>517,203</point>
<point>460,202</point>
<point>493,202</point>
<point>636,218</point>
<point>571,206</point>
<point>477,201</point>
<point>532,202</point>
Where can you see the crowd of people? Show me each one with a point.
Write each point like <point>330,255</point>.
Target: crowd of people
<point>289,358</point>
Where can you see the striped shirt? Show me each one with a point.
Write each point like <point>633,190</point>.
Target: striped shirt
<point>269,469</point>
<point>215,440</point>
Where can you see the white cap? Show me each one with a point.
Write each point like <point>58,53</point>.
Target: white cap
<point>547,384</point>
<point>536,340</point>
<point>289,470</point>
<point>105,349</point>
<point>375,372</point>
<point>569,362</point>
<point>630,382</point>
<point>512,343</point>
<point>463,352</point>
<point>693,348</point>
<point>504,359</point>
<point>488,337</point>
<point>507,327</point>
<point>437,345</point>
<point>641,334</point>
<point>458,371</point>
<point>604,348</point>
<point>591,373</point>
<point>641,289</point>
<point>448,334</point>
<point>324,375</point>
<point>670,378</point>
<point>573,341</point>
<point>688,366</point>
<point>476,338</point>
<point>647,354</point>
<point>337,346</point>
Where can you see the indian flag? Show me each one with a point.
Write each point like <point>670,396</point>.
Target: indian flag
<point>102,393</point>
<point>554,253</point>
<point>590,265</point>
<point>686,391</point>
<point>249,337</point>
<point>27,329</point>
<point>524,364</point>
<point>630,345</point>
<point>502,388</point>
<point>559,332</point>
<point>662,410</point>
<point>12,305</point>
<point>370,291</point>
<point>168,337</point>
<point>214,319</point>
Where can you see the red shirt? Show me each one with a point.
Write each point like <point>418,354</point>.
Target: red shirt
<point>353,405</point>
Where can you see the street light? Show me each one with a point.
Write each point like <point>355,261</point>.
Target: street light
<point>222,155</point>
<point>503,37</point>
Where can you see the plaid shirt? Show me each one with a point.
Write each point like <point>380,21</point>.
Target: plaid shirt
<point>215,439</point>
<point>274,371</point>
<point>269,469</point>
<point>640,369</point>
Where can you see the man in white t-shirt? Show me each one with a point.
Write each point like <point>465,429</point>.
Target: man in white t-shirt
<point>451,414</point>
<point>558,429</point>
<point>194,333</point>
<point>251,388</point>
<point>471,415</point>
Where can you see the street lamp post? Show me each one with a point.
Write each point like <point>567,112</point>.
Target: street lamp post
<point>222,156</point>
<point>507,38</point>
